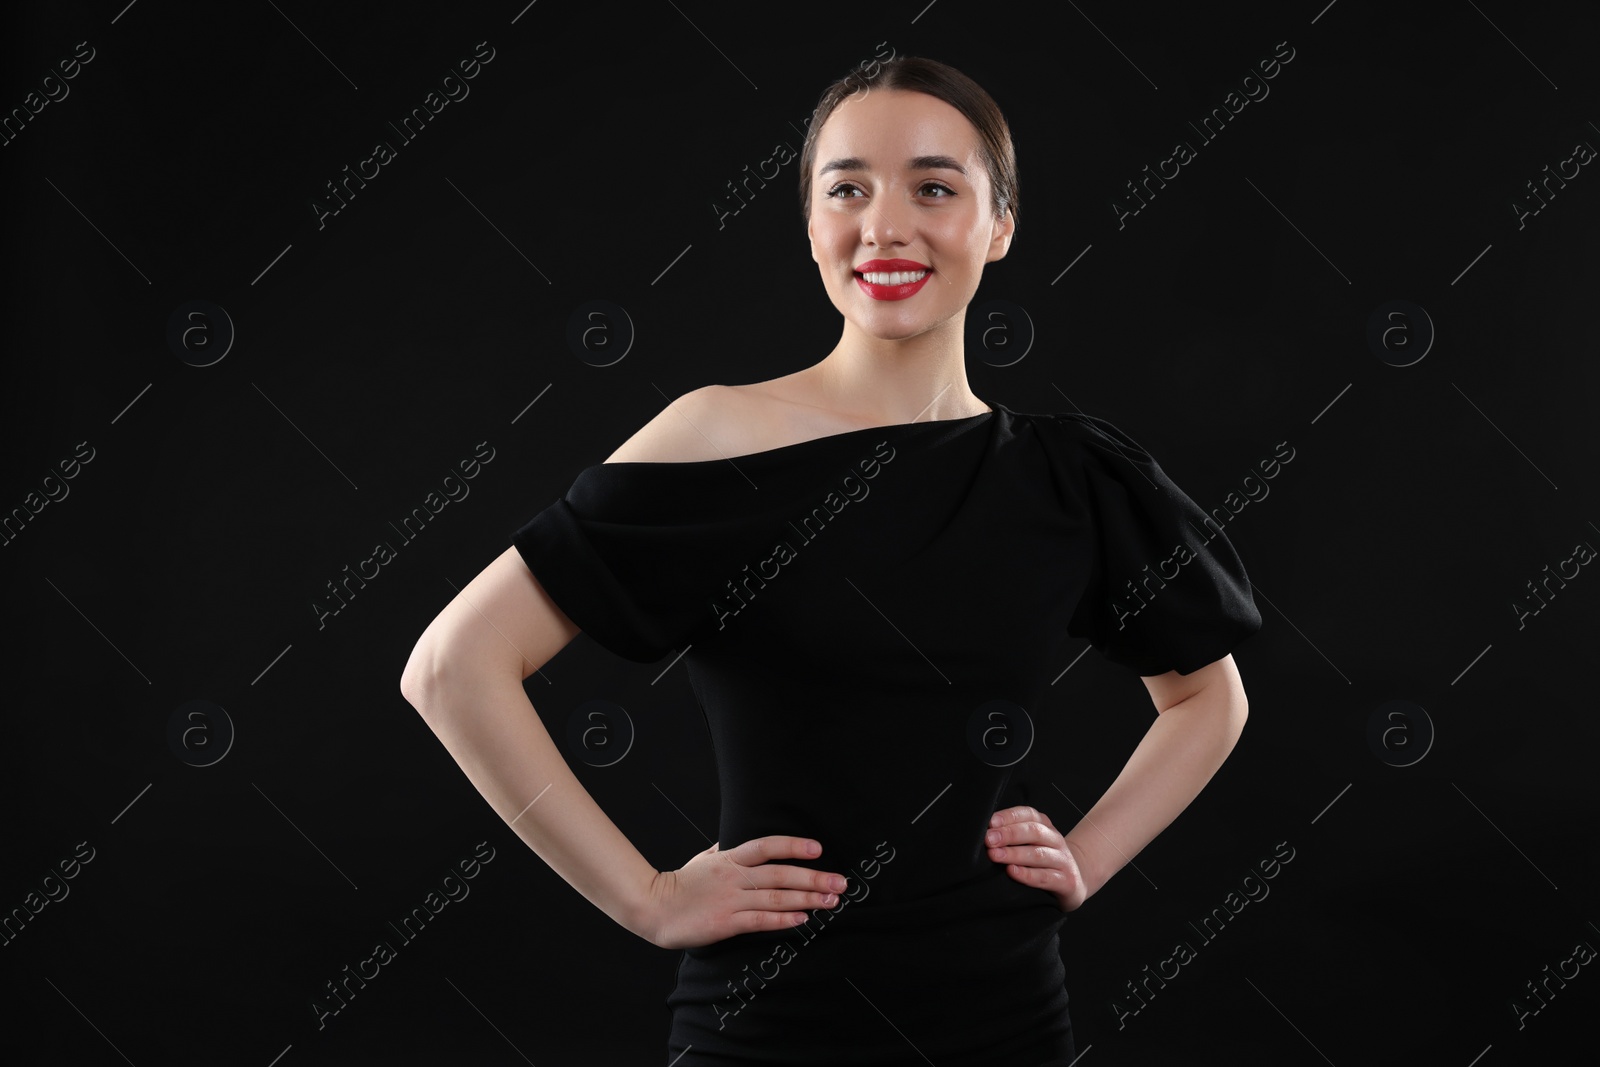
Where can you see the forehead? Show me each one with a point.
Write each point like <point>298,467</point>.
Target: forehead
<point>887,127</point>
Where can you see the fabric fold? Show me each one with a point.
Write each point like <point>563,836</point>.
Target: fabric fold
<point>1166,593</point>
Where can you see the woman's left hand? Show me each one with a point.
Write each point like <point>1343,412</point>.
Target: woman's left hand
<point>1036,854</point>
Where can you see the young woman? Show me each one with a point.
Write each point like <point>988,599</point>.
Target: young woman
<point>869,574</point>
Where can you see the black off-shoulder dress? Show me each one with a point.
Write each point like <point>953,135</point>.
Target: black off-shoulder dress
<point>869,621</point>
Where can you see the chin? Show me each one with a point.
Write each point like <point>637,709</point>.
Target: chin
<point>888,324</point>
<point>895,331</point>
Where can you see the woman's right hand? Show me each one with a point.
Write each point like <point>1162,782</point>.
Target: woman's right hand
<point>718,894</point>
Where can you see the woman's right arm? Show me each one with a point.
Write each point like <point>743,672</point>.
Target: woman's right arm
<point>465,678</point>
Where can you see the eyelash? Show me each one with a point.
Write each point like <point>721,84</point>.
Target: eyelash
<point>834,192</point>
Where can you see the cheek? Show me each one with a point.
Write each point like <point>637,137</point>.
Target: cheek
<point>959,238</point>
<point>837,259</point>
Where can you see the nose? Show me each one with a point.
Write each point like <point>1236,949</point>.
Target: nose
<point>885,224</point>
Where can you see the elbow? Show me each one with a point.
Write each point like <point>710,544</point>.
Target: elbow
<point>414,689</point>
<point>419,679</point>
<point>1230,689</point>
<point>1227,707</point>
<point>411,687</point>
<point>1238,713</point>
<point>1237,704</point>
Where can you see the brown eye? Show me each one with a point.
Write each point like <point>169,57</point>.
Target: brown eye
<point>837,190</point>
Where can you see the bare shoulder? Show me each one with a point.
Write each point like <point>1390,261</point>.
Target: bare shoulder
<point>701,424</point>
<point>728,421</point>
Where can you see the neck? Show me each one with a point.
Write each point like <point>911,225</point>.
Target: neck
<point>898,380</point>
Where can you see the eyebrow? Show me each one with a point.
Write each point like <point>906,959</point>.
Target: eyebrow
<point>914,163</point>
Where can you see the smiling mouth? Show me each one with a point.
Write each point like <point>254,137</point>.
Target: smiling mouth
<point>893,284</point>
<point>893,277</point>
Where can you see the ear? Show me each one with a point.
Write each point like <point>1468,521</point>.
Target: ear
<point>1000,243</point>
<point>811,237</point>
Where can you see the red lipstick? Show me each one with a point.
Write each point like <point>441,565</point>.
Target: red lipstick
<point>885,266</point>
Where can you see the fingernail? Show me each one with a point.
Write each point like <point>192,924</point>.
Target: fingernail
<point>993,837</point>
<point>836,883</point>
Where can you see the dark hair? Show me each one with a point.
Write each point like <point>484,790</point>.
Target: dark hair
<point>916,74</point>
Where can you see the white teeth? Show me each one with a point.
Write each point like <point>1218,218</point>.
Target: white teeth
<point>899,277</point>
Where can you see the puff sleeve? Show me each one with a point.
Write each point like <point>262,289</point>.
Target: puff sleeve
<point>627,560</point>
<point>1166,591</point>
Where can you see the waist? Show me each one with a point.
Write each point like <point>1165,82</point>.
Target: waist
<point>955,969</point>
<point>993,913</point>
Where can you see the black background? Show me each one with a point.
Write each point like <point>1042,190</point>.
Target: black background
<point>375,351</point>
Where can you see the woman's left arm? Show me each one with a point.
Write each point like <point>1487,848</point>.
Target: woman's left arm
<point>1199,718</point>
